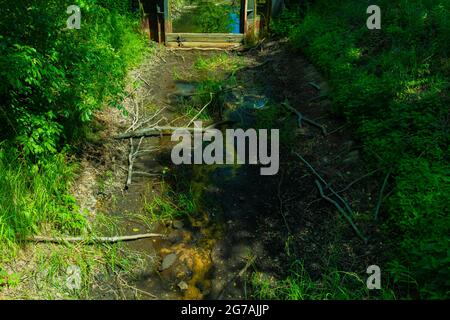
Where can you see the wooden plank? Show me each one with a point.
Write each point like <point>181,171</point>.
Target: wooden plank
<point>224,45</point>
<point>204,37</point>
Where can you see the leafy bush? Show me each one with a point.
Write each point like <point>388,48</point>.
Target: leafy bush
<point>212,18</point>
<point>53,79</point>
<point>31,196</point>
<point>51,82</point>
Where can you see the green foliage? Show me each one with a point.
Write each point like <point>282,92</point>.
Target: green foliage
<point>285,23</point>
<point>171,205</point>
<point>53,79</point>
<point>9,280</point>
<point>335,285</point>
<point>212,18</point>
<point>220,62</point>
<point>393,86</point>
<point>277,116</point>
<point>31,196</point>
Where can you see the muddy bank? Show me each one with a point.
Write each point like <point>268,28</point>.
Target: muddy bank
<point>226,225</point>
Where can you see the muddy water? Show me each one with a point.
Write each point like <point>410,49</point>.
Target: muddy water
<point>203,253</point>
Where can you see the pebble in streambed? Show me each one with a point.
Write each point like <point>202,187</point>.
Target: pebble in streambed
<point>186,261</point>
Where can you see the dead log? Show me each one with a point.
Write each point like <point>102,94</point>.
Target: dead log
<point>154,132</point>
<point>163,131</point>
<point>93,240</point>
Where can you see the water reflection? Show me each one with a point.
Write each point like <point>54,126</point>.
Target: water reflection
<point>207,16</point>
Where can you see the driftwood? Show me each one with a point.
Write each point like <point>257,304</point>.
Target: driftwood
<point>301,118</point>
<point>93,240</point>
<point>162,131</point>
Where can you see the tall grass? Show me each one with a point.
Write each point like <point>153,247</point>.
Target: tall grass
<point>334,285</point>
<point>52,82</point>
<point>32,196</point>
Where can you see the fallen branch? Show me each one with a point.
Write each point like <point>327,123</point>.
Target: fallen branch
<point>318,98</point>
<point>151,118</point>
<point>314,85</point>
<point>201,110</point>
<point>148,174</point>
<point>337,129</point>
<point>178,55</point>
<point>93,240</point>
<point>380,197</point>
<point>239,275</point>
<point>145,81</point>
<point>252,48</point>
<point>130,164</point>
<point>342,211</point>
<point>159,56</point>
<point>154,131</point>
<point>160,131</point>
<point>280,203</point>
<point>358,180</point>
<point>134,288</point>
<point>347,206</point>
<point>302,118</point>
<point>260,64</point>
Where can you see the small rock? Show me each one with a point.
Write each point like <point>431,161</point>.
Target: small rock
<point>183,285</point>
<point>168,261</point>
<point>175,237</point>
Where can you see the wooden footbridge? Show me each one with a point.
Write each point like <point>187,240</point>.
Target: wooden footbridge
<point>158,22</point>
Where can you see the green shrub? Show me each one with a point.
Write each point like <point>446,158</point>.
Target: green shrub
<point>52,80</point>
<point>393,87</point>
<point>212,18</point>
<point>36,195</point>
